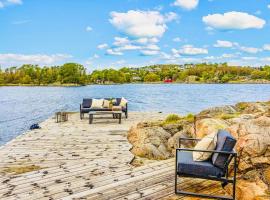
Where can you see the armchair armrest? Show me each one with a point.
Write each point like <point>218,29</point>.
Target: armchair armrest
<point>189,139</point>
<point>233,153</point>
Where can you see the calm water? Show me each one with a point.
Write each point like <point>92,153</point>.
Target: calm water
<point>22,106</point>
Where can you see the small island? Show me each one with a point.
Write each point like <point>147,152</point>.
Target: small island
<point>73,74</point>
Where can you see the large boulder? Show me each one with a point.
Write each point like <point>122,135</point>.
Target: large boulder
<point>173,142</point>
<point>251,190</point>
<point>149,141</point>
<point>172,128</point>
<point>216,111</point>
<point>253,141</point>
<point>252,107</point>
<point>209,125</point>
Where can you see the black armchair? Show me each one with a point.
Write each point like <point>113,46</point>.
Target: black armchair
<point>215,169</point>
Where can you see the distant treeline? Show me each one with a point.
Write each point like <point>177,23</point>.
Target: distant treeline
<point>73,73</point>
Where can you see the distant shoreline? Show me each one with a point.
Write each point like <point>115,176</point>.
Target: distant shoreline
<point>160,82</point>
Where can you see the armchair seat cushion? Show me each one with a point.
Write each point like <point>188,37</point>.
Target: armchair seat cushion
<point>187,166</point>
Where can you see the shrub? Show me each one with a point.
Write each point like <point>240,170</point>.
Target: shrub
<point>172,118</point>
<point>228,116</point>
<point>190,117</point>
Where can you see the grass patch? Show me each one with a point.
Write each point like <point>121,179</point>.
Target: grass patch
<point>242,105</point>
<point>229,116</point>
<point>189,117</point>
<point>172,118</point>
<point>22,169</point>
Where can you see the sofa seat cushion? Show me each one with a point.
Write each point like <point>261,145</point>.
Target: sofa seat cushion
<point>225,142</point>
<point>186,166</point>
<point>100,109</point>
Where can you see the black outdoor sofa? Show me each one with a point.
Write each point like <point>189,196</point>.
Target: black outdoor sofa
<point>85,107</point>
<point>216,168</point>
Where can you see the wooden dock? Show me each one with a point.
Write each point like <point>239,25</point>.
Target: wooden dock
<point>75,160</point>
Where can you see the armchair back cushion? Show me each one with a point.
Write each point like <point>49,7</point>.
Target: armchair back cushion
<point>87,103</point>
<point>225,142</point>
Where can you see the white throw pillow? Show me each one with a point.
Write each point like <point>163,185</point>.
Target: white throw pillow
<point>97,103</point>
<point>207,143</point>
<point>123,102</point>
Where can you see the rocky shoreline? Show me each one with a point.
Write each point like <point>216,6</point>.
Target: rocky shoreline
<point>248,122</point>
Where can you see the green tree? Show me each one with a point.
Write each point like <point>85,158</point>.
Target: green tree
<point>151,77</point>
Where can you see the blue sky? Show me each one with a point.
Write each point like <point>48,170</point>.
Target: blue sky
<point>109,33</point>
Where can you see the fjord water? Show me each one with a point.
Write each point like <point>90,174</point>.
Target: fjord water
<point>22,106</point>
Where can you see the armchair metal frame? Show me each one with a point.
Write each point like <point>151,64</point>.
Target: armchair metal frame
<point>225,179</point>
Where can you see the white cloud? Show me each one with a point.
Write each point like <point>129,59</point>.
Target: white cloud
<point>249,58</point>
<point>90,60</point>
<point>190,50</point>
<point>266,47</point>
<point>258,12</point>
<point>120,62</point>
<point>146,40</point>
<point>141,23</point>
<point>224,44</point>
<point>226,55</point>
<point>265,60</point>
<point>268,6</point>
<point>19,2</point>
<point>41,59</point>
<point>177,39</point>
<point>120,41</point>
<point>10,2</point>
<point>252,50</point>
<point>95,56</point>
<point>186,4</point>
<point>233,20</point>
<point>210,58</point>
<point>152,47</point>
<point>89,28</point>
<point>102,46</point>
<point>128,47</point>
<point>149,52</point>
<point>113,52</point>
<point>145,45</point>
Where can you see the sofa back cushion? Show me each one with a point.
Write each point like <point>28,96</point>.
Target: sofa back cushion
<point>97,103</point>
<point>123,102</point>
<point>117,102</point>
<point>86,103</point>
<point>225,142</point>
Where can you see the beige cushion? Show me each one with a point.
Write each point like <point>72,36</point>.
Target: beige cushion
<point>106,103</point>
<point>207,143</point>
<point>117,108</point>
<point>123,102</point>
<point>97,103</point>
